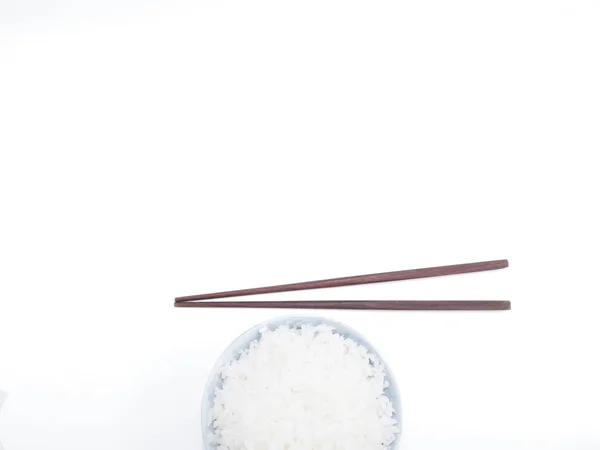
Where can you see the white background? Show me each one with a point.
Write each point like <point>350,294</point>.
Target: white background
<point>155,149</point>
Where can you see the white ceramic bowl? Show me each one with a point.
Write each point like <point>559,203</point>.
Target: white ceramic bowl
<point>243,342</point>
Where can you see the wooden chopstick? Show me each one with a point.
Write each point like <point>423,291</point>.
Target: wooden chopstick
<point>411,305</point>
<point>357,279</point>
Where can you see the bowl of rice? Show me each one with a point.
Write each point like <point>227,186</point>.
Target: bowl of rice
<point>301,383</point>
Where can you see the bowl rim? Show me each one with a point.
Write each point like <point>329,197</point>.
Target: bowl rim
<point>243,340</point>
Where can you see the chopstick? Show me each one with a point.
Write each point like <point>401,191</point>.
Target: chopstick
<point>353,280</point>
<point>410,305</point>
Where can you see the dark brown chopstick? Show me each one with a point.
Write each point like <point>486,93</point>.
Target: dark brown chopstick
<point>357,279</point>
<point>410,305</point>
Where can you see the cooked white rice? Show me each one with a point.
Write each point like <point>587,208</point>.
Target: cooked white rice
<point>305,388</point>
